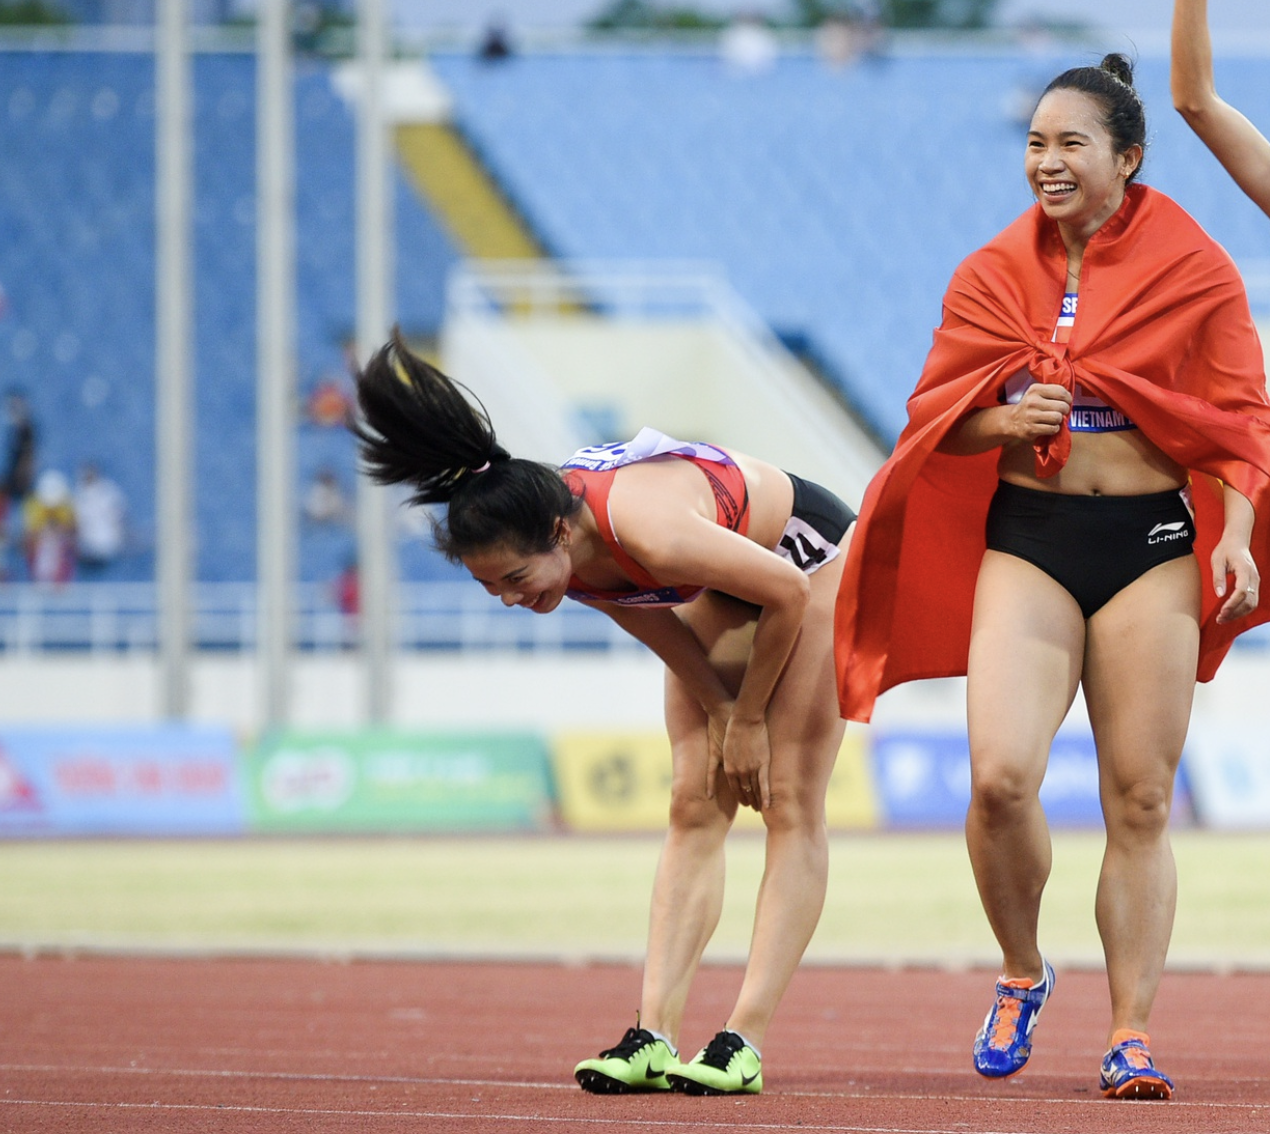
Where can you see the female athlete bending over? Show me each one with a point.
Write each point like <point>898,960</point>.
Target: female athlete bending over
<point>727,568</point>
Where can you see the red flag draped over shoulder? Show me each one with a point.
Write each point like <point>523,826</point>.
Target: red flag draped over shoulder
<point>1164,335</point>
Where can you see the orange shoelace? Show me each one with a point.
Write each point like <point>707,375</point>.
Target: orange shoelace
<point>1136,1054</point>
<point>1136,1057</point>
<point>1008,1009</point>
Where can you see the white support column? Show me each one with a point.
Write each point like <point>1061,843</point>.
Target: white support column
<point>174,445</point>
<point>374,321</point>
<point>275,359</point>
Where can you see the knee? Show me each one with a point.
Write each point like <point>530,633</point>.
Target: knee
<point>692,811</point>
<point>791,813</point>
<point>1000,790</point>
<point>1139,808</point>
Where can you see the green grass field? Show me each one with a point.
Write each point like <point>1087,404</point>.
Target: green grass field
<point>893,898</point>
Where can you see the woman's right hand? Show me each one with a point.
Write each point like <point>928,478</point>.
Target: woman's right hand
<point>1039,413</point>
<point>1036,416</point>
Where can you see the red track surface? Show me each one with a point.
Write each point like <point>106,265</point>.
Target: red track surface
<point>245,1046</point>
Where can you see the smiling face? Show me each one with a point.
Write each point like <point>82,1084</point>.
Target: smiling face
<point>1072,165</point>
<point>535,580</point>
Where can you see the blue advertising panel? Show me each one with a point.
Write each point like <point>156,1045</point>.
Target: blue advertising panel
<point>161,780</point>
<point>923,778</point>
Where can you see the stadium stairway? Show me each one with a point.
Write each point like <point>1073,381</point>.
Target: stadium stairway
<point>454,185</point>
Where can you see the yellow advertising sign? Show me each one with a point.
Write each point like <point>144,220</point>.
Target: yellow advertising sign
<point>620,781</point>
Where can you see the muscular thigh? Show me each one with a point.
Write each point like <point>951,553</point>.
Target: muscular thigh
<point>1139,674</point>
<point>1026,651</point>
<point>804,722</point>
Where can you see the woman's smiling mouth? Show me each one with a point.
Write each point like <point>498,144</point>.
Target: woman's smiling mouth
<point>1057,188</point>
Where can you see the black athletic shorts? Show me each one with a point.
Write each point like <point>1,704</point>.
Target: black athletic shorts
<point>816,525</point>
<point>1095,546</point>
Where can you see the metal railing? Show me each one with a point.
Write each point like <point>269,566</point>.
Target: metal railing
<point>122,617</point>
<point>447,616</point>
<point>646,288</point>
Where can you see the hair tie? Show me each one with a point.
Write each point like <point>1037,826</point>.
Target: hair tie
<point>481,469</point>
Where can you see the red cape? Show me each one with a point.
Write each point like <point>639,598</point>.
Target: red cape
<point>1164,335</point>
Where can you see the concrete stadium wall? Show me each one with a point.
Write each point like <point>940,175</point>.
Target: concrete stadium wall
<point>492,690</point>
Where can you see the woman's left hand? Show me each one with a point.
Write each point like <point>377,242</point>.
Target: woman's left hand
<point>747,756</point>
<point>1232,557</point>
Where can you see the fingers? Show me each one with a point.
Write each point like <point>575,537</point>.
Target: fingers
<point>1244,596</point>
<point>1051,390</point>
<point>1043,409</point>
<point>712,772</point>
<point>751,791</point>
<point>1242,602</point>
<point>1048,399</point>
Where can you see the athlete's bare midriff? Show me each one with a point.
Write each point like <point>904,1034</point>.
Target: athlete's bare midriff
<point>1122,463</point>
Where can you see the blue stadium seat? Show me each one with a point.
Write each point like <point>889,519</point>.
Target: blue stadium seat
<point>77,227</point>
<point>838,202</point>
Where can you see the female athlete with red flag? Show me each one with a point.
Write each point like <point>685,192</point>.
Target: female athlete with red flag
<point>1079,499</point>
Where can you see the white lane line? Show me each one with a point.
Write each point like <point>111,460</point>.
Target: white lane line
<point>452,1116</point>
<point>1095,1100</point>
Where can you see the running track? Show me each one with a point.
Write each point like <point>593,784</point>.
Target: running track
<point>240,1046</point>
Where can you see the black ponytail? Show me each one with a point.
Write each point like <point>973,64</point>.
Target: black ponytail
<point>417,427</point>
<point>1111,85</point>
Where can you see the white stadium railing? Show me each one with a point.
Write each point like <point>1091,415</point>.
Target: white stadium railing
<point>114,617</point>
<point>123,617</point>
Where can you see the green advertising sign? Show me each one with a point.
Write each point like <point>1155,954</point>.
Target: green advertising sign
<point>398,781</point>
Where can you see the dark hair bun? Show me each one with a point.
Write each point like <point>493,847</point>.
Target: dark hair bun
<point>1119,67</point>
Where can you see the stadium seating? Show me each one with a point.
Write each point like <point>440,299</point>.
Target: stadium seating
<point>77,333</point>
<point>838,201</point>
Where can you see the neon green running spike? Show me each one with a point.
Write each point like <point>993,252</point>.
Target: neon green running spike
<point>638,1063</point>
<point>727,1065</point>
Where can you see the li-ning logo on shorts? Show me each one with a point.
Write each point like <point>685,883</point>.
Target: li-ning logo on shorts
<point>1163,533</point>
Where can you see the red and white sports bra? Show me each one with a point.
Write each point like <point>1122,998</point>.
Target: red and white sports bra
<point>589,473</point>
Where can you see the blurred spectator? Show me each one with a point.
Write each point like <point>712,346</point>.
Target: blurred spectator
<point>330,402</point>
<point>347,595</point>
<point>18,471</point>
<point>19,465</point>
<point>847,35</point>
<point>347,591</point>
<point>48,530</point>
<point>325,503</point>
<point>496,44</point>
<point>836,41</point>
<point>100,511</point>
<point>747,45</point>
